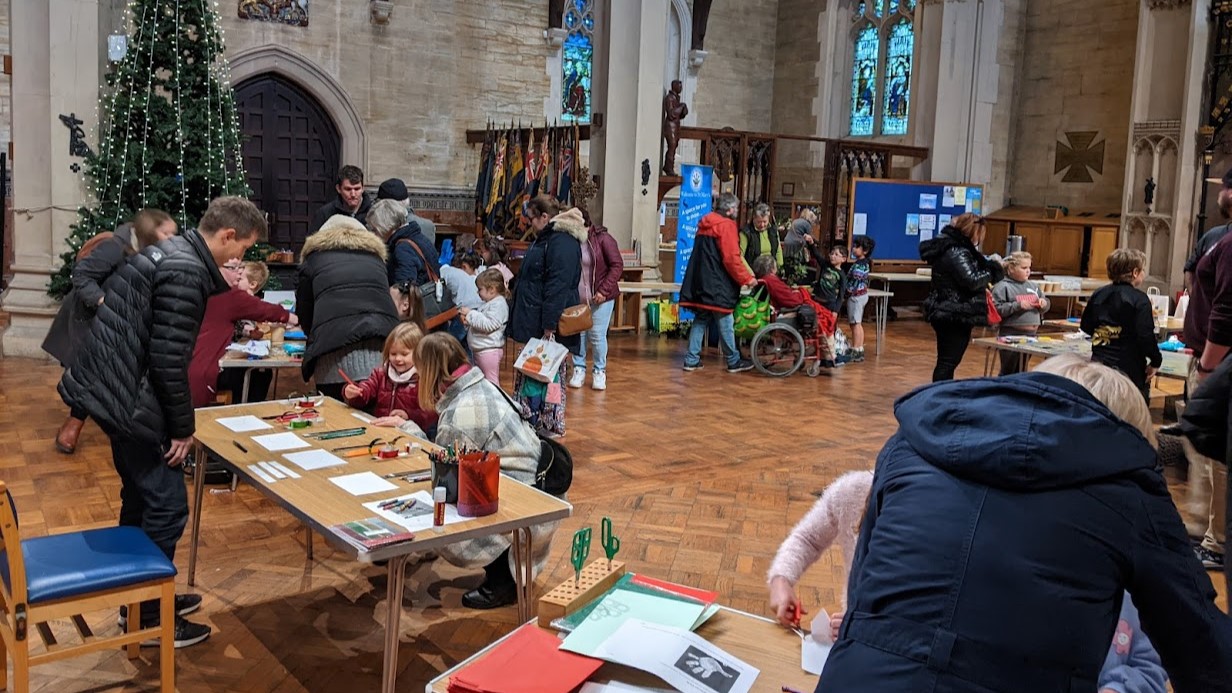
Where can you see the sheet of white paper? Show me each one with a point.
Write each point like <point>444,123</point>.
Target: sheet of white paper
<point>280,441</point>
<point>362,417</point>
<point>706,615</point>
<point>362,484</point>
<point>943,220</point>
<point>259,348</point>
<point>618,687</point>
<point>271,470</point>
<point>813,655</point>
<point>859,224</point>
<point>314,459</point>
<point>682,659</point>
<point>418,517</point>
<point>928,222</point>
<point>925,234</point>
<point>284,469</point>
<point>261,474</point>
<point>928,200</point>
<point>947,198</point>
<point>242,424</point>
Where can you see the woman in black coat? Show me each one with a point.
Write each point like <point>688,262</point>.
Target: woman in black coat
<point>98,259</point>
<point>547,284</point>
<point>956,300</point>
<point>343,303</point>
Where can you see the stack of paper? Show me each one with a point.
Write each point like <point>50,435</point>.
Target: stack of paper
<point>528,661</point>
<point>683,660</point>
<point>620,605</point>
<point>650,586</point>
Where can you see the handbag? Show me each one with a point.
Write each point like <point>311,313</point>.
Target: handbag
<point>541,359</point>
<point>438,302</point>
<point>554,470</point>
<point>994,316</point>
<point>752,312</point>
<point>575,320</point>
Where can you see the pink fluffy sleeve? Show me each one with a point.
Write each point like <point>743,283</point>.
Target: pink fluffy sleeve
<point>833,518</point>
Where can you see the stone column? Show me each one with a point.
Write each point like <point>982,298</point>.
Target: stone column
<point>634,43</point>
<point>55,49</point>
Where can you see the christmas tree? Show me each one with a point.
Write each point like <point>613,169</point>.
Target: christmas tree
<point>168,134</point>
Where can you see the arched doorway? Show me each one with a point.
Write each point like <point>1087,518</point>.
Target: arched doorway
<point>291,152</point>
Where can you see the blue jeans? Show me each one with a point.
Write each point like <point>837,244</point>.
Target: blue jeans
<point>601,316</point>
<point>697,335</point>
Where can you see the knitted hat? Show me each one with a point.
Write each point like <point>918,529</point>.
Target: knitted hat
<point>392,189</point>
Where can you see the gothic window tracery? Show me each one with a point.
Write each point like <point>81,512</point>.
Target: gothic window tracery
<point>577,60</point>
<point>883,37</point>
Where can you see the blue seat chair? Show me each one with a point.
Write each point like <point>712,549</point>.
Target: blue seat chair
<point>65,575</point>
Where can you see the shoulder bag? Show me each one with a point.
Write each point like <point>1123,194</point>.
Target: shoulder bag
<point>554,472</point>
<point>438,302</point>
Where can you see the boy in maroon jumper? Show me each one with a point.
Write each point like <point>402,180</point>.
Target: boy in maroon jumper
<point>222,311</point>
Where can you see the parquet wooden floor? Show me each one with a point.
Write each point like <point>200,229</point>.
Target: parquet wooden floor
<point>702,473</point>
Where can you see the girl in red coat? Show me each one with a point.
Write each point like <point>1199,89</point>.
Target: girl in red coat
<point>391,393</point>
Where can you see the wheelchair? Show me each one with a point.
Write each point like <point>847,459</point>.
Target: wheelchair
<point>779,349</point>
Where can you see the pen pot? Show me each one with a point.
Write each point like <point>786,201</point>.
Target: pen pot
<point>445,474</point>
<point>478,484</point>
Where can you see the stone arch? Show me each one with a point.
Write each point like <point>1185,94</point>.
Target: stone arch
<point>315,81</point>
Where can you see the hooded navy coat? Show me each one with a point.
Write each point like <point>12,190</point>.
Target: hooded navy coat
<point>1005,518</point>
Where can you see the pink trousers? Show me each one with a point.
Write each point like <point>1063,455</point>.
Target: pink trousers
<point>489,361</point>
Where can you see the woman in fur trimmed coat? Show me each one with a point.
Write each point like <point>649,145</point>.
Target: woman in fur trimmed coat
<point>475,413</point>
<point>343,303</point>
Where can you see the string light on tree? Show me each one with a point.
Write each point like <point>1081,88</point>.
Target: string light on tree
<point>169,141</point>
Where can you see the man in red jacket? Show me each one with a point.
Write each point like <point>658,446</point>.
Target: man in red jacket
<point>712,282</point>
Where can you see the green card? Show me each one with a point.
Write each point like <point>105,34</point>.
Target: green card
<point>620,605</point>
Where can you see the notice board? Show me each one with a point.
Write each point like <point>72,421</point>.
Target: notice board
<point>899,214</point>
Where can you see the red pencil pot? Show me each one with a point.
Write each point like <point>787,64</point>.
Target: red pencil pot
<point>478,484</point>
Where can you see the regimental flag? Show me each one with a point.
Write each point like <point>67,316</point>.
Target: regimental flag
<point>484,182</point>
<point>533,165</point>
<point>547,181</point>
<point>516,178</point>
<point>565,167</point>
<point>498,174</point>
<point>544,164</point>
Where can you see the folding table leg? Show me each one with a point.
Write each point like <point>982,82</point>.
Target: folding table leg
<point>396,570</point>
<point>198,495</point>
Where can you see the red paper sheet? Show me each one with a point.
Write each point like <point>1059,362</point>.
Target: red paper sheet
<point>704,596</point>
<point>529,661</point>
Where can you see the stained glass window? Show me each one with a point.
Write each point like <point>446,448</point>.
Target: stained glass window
<point>900,47</point>
<point>881,97</point>
<point>864,81</point>
<point>576,61</point>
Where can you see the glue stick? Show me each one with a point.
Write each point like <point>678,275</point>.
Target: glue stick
<point>438,507</point>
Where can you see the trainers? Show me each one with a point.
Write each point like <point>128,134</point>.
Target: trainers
<point>598,381</point>
<point>578,377</point>
<point>1211,560</point>
<point>857,356</point>
<point>694,367</point>
<point>185,604</point>
<point>187,633</point>
<point>740,366</point>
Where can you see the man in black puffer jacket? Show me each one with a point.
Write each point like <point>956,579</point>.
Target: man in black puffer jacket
<point>131,374</point>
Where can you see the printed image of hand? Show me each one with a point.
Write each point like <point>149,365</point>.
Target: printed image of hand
<point>351,392</point>
<point>178,451</point>
<point>706,667</point>
<point>784,603</point>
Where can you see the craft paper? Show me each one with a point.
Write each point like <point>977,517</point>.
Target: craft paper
<point>928,222</point>
<point>272,470</point>
<point>683,660</point>
<point>813,655</point>
<point>618,687</point>
<point>621,605</point>
<point>859,224</point>
<point>528,661</point>
<point>362,484</point>
<point>275,442</point>
<point>928,200</point>
<point>419,516</point>
<point>284,469</point>
<point>286,299</point>
<point>314,459</point>
<point>259,348</point>
<point>913,224</point>
<point>947,197</point>
<point>242,424</point>
<point>260,474</point>
<point>709,612</point>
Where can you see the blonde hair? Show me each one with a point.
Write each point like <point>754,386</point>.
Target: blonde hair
<point>437,357</point>
<point>1108,385</point>
<point>971,226</point>
<point>1017,259</point>
<point>257,274</point>
<point>492,278</point>
<point>145,225</point>
<point>1122,263</point>
<point>405,334</point>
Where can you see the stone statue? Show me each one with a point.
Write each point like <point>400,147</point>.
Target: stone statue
<point>674,110</point>
<point>1149,193</point>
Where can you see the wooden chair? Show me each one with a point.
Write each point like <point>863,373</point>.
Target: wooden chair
<point>64,575</point>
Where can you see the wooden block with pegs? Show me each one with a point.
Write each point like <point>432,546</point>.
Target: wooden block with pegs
<point>567,598</point>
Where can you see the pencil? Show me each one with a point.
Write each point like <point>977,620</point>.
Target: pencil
<point>346,378</point>
<point>241,447</point>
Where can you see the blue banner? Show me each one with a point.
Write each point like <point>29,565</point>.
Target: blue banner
<point>695,203</point>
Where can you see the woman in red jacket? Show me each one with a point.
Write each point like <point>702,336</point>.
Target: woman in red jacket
<point>602,266</point>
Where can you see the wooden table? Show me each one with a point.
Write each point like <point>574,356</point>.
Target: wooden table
<point>639,289</point>
<point>756,640</point>
<point>321,504</point>
<point>627,313</point>
<point>1163,326</point>
<point>277,359</point>
<point>881,313</point>
<point>887,278</point>
<point>1175,365</point>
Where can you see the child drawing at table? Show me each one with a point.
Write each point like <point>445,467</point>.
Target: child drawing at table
<point>1021,305</point>
<point>485,325</point>
<point>222,313</point>
<point>391,393</point>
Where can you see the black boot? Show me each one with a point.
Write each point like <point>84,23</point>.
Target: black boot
<point>498,588</point>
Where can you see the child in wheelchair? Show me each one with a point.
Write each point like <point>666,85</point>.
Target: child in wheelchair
<point>814,321</point>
